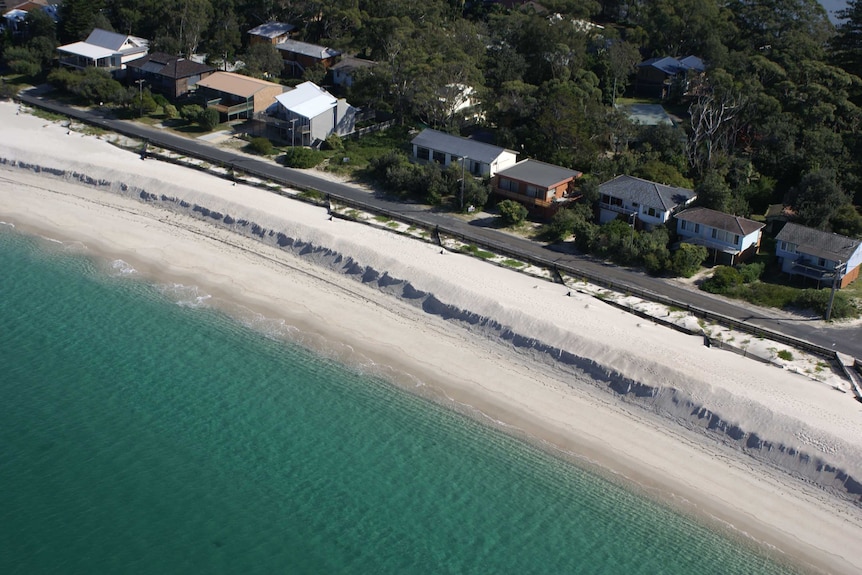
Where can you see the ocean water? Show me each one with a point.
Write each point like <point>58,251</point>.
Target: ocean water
<point>142,431</point>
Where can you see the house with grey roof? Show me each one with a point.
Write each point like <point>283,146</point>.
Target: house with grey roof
<point>172,76</point>
<point>344,70</point>
<point>478,158</point>
<point>731,238</point>
<point>640,202</point>
<point>665,76</point>
<point>298,56</point>
<point>270,33</point>
<point>102,49</point>
<point>822,256</point>
<point>542,188</point>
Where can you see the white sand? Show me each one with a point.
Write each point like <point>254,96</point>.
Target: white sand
<point>633,438</point>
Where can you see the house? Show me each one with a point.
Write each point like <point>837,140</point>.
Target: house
<point>172,76</point>
<point>639,202</point>
<point>102,49</point>
<point>734,237</point>
<point>666,76</point>
<point>343,71</point>
<point>542,188</point>
<point>822,256</point>
<point>298,56</point>
<point>270,33</point>
<point>15,17</point>
<point>310,114</point>
<point>238,96</point>
<point>478,158</point>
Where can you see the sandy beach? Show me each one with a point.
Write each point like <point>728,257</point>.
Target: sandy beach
<point>739,442</point>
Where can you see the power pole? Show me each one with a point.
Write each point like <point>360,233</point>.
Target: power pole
<point>140,84</point>
<point>836,273</point>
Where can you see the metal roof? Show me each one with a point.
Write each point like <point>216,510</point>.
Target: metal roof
<point>539,173</point>
<point>672,66</point>
<point>646,193</point>
<point>272,29</point>
<point>307,100</point>
<point>817,243</point>
<point>720,220</point>
<point>87,50</point>
<point>311,50</point>
<point>236,84</point>
<point>459,147</point>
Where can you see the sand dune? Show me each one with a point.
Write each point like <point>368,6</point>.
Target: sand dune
<point>768,451</point>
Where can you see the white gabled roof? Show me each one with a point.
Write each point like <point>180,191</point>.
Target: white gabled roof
<point>87,50</point>
<point>307,100</point>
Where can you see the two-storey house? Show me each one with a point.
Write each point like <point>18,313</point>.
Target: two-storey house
<point>822,256</point>
<point>731,237</point>
<point>641,203</point>
<point>542,188</point>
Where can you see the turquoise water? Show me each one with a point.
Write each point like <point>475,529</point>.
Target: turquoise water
<point>142,436</point>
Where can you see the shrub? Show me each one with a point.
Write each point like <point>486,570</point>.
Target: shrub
<point>687,259</point>
<point>723,280</point>
<point>209,118</point>
<point>191,113</point>
<point>334,142</point>
<point>171,112</point>
<point>562,225</point>
<point>160,101</point>
<point>751,272</point>
<point>302,157</point>
<point>512,212</point>
<point>817,300</point>
<point>261,146</point>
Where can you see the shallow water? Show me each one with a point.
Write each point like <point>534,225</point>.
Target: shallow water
<point>143,431</point>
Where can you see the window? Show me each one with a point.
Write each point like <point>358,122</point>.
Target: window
<point>682,224</point>
<point>423,153</point>
<point>439,157</point>
<point>784,246</point>
<point>697,228</point>
<point>651,212</point>
<point>714,233</point>
<point>736,239</point>
<point>821,262</point>
<point>507,184</point>
<point>532,191</point>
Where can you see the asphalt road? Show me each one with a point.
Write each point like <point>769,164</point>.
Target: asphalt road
<point>845,340</point>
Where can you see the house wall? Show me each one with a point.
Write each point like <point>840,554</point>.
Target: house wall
<point>650,82</point>
<point>322,125</point>
<point>345,118</point>
<point>255,39</point>
<point>850,277</point>
<point>265,98</point>
<point>646,220</point>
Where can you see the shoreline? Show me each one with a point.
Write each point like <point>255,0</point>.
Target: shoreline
<point>503,383</point>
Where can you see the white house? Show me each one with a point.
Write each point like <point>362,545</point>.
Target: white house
<point>721,233</point>
<point>479,158</point>
<point>313,114</point>
<point>818,255</point>
<point>640,202</point>
<point>103,49</point>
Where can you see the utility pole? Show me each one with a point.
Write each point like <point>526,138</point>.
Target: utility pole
<point>292,132</point>
<point>836,273</point>
<point>463,181</point>
<point>140,84</point>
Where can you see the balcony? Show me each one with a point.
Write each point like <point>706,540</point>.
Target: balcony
<point>620,209</point>
<point>527,200</point>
